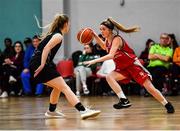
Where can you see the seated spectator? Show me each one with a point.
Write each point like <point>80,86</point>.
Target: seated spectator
<point>98,50</point>
<point>9,49</point>
<point>25,75</point>
<point>106,67</point>
<point>160,56</point>
<point>12,68</point>
<point>82,71</point>
<point>1,72</point>
<point>176,71</point>
<point>27,42</point>
<point>75,57</point>
<point>144,54</point>
<point>173,42</point>
<point>7,53</point>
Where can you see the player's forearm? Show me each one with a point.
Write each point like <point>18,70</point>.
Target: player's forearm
<point>106,57</point>
<point>99,42</point>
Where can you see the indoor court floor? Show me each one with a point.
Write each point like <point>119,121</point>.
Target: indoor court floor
<point>27,113</point>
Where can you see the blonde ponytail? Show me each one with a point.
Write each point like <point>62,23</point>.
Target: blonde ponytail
<point>57,24</point>
<point>123,28</point>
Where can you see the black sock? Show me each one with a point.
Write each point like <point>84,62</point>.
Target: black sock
<point>52,107</point>
<point>79,107</point>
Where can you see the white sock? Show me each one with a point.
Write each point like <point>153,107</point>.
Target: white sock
<point>164,102</point>
<point>121,95</point>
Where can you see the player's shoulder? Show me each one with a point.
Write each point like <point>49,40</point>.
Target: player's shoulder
<point>57,36</point>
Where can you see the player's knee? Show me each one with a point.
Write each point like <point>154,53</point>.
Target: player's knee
<point>65,88</point>
<point>57,89</point>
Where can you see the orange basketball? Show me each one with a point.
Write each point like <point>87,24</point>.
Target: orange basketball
<point>85,36</point>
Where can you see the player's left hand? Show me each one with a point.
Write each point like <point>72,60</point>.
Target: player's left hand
<point>39,69</point>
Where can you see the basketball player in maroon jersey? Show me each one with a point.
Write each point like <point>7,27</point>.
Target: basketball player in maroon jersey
<point>127,64</point>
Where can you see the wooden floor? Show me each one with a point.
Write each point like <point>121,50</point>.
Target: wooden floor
<point>145,113</point>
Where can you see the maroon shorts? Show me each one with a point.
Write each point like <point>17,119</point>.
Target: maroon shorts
<point>134,72</point>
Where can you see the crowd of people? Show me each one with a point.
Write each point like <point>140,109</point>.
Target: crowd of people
<point>14,72</point>
<point>161,59</point>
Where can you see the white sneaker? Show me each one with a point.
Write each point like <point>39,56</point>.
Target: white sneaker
<point>12,79</point>
<point>85,90</point>
<point>55,114</point>
<point>78,94</point>
<point>89,113</point>
<point>4,95</point>
<point>12,93</point>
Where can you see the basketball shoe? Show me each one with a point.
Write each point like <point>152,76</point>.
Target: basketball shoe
<point>169,107</point>
<point>89,113</point>
<point>123,103</point>
<point>54,114</point>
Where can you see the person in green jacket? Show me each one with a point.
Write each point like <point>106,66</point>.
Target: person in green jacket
<point>82,71</point>
<point>160,56</point>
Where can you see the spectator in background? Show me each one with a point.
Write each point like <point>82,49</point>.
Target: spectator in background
<point>12,68</point>
<point>82,71</point>
<point>9,50</point>
<point>7,53</point>
<point>173,41</point>
<point>144,54</point>
<point>27,42</point>
<point>98,50</point>
<point>75,57</point>
<point>1,72</point>
<point>106,67</point>
<point>1,60</point>
<point>25,75</point>
<point>160,56</point>
<point>176,71</point>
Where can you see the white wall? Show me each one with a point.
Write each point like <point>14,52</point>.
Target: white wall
<point>49,9</point>
<point>153,16</point>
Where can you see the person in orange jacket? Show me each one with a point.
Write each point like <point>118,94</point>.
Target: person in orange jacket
<point>176,71</point>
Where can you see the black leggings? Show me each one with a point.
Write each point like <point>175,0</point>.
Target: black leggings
<point>158,76</point>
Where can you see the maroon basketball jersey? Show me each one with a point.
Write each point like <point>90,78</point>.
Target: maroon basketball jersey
<point>124,56</point>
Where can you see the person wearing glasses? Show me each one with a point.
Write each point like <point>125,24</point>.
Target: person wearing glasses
<point>160,55</point>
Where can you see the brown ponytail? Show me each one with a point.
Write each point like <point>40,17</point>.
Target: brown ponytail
<point>123,28</point>
<point>57,24</point>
